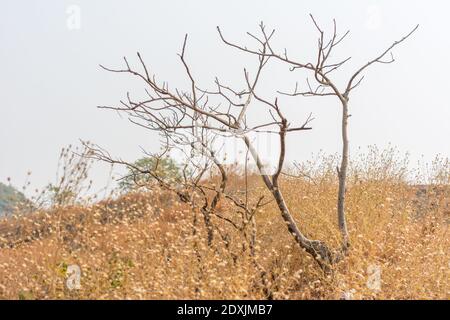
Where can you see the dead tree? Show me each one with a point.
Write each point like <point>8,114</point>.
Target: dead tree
<point>193,120</point>
<point>322,71</point>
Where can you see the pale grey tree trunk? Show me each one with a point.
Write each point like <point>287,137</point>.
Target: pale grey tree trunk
<point>342,175</point>
<point>316,248</point>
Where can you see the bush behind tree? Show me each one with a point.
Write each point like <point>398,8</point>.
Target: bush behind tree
<point>165,167</point>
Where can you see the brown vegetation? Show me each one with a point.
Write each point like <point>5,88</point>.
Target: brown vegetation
<point>142,245</point>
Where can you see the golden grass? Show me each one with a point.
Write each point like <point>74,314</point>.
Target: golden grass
<point>142,246</point>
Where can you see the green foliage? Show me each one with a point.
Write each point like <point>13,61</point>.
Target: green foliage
<point>119,269</point>
<point>25,295</point>
<point>10,198</point>
<point>165,168</point>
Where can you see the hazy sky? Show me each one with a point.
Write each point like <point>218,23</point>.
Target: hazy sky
<point>50,82</point>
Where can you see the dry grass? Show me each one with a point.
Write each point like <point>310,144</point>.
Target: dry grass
<point>142,246</point>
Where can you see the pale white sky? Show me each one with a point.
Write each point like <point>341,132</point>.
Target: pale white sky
<point>51,83</point>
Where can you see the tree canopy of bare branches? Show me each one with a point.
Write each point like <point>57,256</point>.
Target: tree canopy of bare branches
<point>192,120</point>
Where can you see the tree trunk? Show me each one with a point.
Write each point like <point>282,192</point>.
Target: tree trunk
<point>342,175</point>
<point>316,248</point>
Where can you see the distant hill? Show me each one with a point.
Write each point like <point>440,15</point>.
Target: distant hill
<point>9,199</point>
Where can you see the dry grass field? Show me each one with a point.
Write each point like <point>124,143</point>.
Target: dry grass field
<point>149,245</point>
